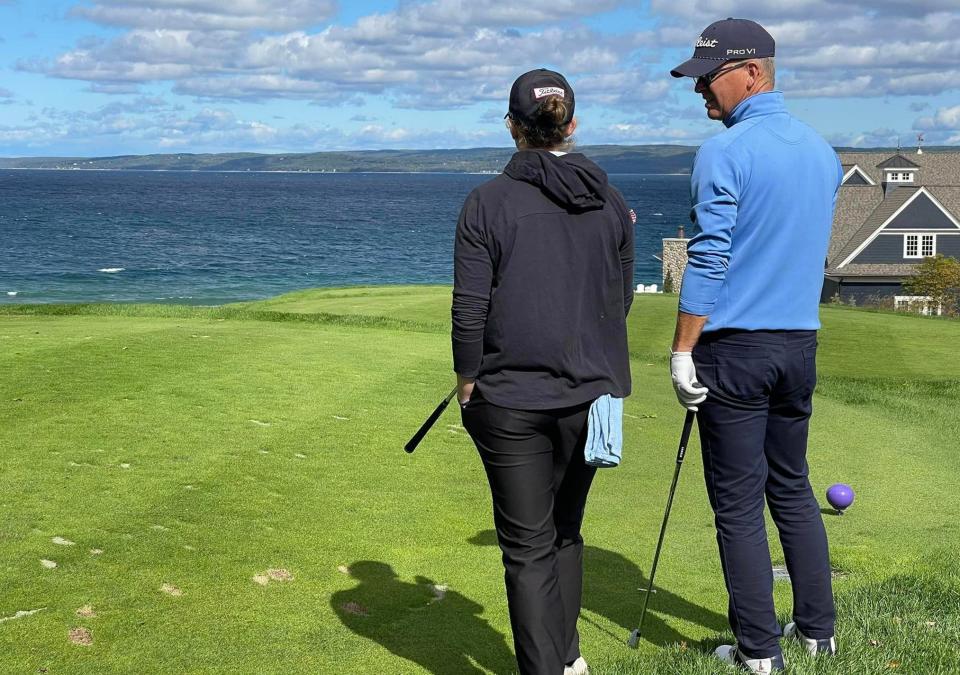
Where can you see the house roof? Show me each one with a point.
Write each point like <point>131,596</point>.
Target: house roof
<point>886,208</point>
<point>853,205</point>
<point>898,161</point>
<point>935,168</point>
<point>874,270</point>
<point>861,210</point>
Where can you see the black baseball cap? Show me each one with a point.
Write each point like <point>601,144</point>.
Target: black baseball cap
<point>723,41</point>
<point>533,88</point>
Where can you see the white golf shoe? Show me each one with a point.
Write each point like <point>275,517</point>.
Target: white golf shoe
<point>578,667</point>
<point>812,645</point>
<point>732,656</point>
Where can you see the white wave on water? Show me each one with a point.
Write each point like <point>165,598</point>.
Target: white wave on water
<point>658,214</point>
<point>12,293</point>
<point>112,270</point>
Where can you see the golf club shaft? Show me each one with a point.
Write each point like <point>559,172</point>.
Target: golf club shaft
<point>422,431</point>
<point>681,452</point>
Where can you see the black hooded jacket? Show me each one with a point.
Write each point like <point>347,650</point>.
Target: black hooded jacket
<point>543,281</point>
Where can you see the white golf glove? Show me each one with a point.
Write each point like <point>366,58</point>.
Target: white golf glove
<point>684,376</point>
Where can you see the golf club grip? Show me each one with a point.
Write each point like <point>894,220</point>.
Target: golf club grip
<point>426,426</point>
<point>685,435</point>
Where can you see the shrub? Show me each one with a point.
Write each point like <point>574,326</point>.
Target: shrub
<point>938,278</point>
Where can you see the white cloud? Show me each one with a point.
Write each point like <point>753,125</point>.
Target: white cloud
<point>882,137</point>
<point>436,55</point>
<point>234,15</point>
<point>146,124</point>
<point>944,120</point>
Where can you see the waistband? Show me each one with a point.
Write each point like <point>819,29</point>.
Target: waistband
<point>800,338</point>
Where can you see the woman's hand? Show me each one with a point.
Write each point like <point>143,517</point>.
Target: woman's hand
<point>464,389</point>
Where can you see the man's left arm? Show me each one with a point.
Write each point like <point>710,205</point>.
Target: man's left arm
<point>715,188</point>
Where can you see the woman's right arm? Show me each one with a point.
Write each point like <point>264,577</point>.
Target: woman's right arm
<point>472,281</point>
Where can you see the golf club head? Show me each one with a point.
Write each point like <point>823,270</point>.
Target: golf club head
<point>634,640</point>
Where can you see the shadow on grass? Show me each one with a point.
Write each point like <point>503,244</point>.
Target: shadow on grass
<point>610,589</point>
<point>409,619</point>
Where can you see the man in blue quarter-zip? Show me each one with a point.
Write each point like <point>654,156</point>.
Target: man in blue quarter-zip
<point>763,193</point>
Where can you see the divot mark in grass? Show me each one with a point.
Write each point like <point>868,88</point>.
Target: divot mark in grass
<point>125,465</point>
<point>300,455</point>
<point>49,564</point>
<point>337,417</point>
<point>263,452</point>
<point>80,636</point>
<point>343,569</point>
<point>189,547</point>
<point>272,574</point>
<point>22,613</point>
<point>279,575</point>
<point>60,541</point>
<point>261,424</point>
<point>86,612</point>
<point>354,608</point>
<point>96,551</point>
<point>160,528</point>
<point>170,589</point>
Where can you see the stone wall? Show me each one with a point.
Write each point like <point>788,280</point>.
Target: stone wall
<point>674,261</point>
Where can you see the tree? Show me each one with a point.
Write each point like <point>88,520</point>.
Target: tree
<point>937,278</point>
<point>668,283</point>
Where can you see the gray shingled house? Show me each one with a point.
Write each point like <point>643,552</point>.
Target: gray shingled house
<point>892,212</point>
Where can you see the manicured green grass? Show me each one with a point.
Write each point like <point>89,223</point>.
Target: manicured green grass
<point>200,447</point>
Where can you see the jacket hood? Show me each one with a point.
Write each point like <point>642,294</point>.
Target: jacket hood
<point>571,180</point>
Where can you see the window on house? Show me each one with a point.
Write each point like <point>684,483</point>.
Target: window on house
<point>911,246</point>
<point>899,176</point>
<point>919,245</point>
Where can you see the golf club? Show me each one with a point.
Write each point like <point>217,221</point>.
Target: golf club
<point>681,451</point>
<point>422,431</point>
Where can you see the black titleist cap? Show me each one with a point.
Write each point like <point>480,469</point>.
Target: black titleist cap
<point>533,88</point>
<point>724,41</point>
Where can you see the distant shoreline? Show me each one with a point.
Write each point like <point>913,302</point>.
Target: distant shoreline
<point>312,173</point>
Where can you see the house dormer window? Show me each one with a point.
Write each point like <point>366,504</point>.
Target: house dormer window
<point>899,176</point>
<point>919,245</point>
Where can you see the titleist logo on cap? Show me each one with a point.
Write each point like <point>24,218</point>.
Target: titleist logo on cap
<point>540,92</point>
<point>703,42</point>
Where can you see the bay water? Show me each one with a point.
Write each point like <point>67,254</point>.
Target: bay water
<point>212,238</point>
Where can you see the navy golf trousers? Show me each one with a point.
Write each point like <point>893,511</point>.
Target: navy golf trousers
<point>753,432</point>
<point>539,482</point>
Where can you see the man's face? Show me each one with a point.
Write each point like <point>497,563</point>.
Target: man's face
<point>730,86</point>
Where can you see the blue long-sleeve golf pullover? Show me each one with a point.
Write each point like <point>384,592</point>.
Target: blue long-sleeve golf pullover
<point>763,194</point>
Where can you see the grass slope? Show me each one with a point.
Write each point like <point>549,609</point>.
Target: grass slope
<point>201,447</point>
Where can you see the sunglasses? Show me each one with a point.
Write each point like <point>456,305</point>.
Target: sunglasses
<point>709,78</point>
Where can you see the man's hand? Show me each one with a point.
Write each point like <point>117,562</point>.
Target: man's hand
<point>464,389</point>
<point>684,376</point>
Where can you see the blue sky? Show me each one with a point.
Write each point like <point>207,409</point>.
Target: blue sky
<point>103,77</point>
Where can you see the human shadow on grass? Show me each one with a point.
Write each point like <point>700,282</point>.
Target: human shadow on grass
<point>613,587</point>
<point>437,628</point>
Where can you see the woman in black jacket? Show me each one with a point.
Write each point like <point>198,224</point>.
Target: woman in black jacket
<point>543,283</point>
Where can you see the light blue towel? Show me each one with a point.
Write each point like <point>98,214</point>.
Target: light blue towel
<point>604,432</point>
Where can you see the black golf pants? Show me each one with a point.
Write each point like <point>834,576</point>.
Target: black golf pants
<point>539,483</point>
<point>753,431</point>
